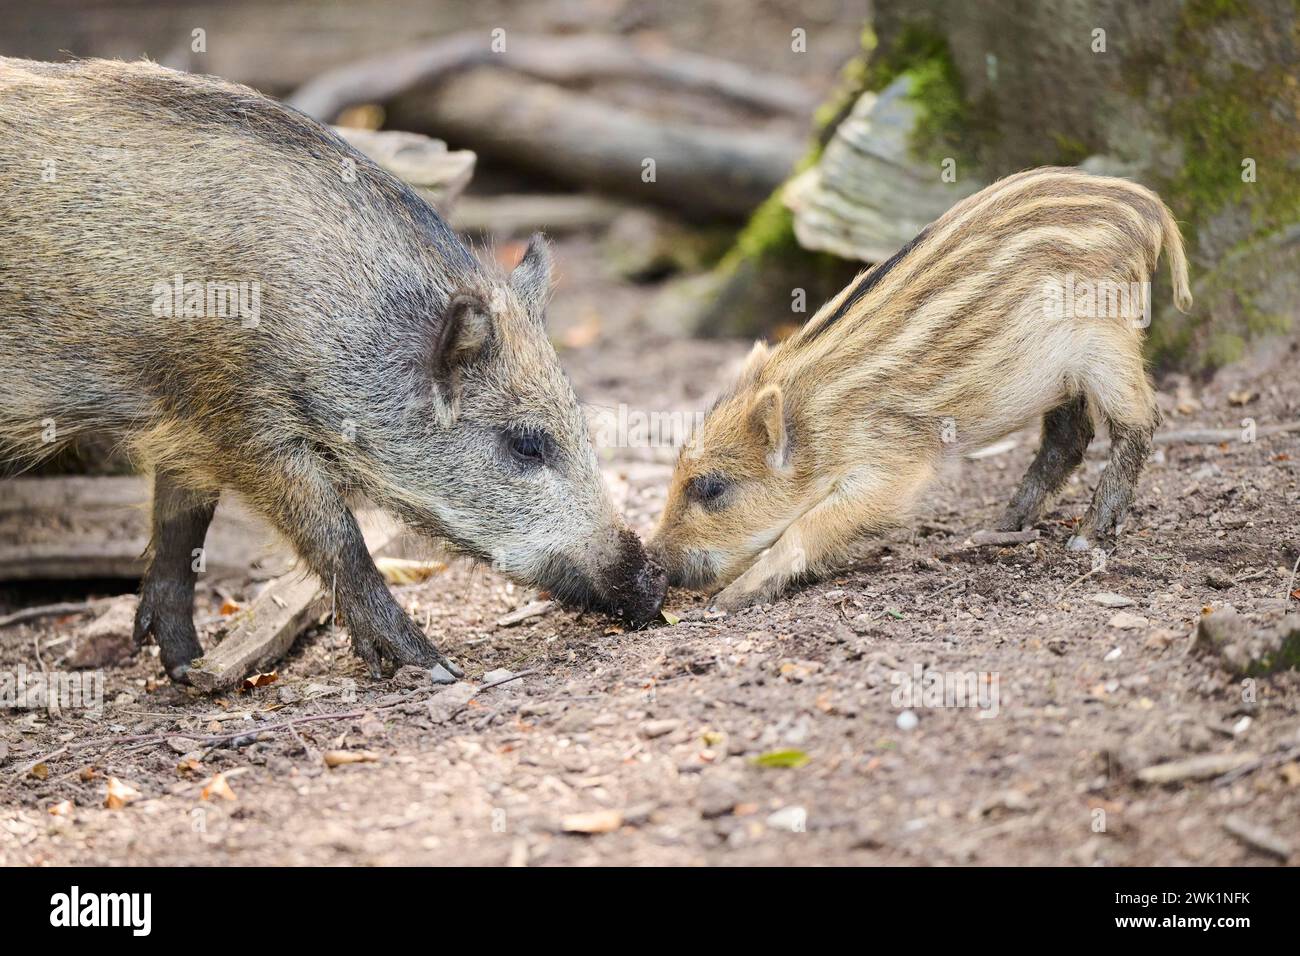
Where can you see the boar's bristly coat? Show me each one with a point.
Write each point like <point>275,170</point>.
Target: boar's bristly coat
<point>1026,300</point>
<point>251,305</point>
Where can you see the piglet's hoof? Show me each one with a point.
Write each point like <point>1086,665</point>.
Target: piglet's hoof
<point>445,675</point>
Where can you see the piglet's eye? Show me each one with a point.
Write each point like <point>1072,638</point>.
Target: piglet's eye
<point>706,488</point>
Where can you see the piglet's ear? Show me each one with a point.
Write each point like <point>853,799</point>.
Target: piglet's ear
<point>767,417</point>
<point>462,338</point>
<point>531,279</point>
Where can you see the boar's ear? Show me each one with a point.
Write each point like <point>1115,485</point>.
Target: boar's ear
<point>463,335</point>
<point>531,279</point>
<point>754,362</point>
<point>767,416</point>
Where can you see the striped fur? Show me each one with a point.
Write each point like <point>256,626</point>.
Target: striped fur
<point>945,347</point>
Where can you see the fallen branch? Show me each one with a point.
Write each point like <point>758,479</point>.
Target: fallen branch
<point>1205,436</point>
<point>702,170</point>
<point>523,214</point>
<point>53,610</point>
<point>78,527</point>
<point>999,539</point>
<point>263,632</point>
<point>1195,768</point>
<point>573,59</point>
<point>1259,763</point>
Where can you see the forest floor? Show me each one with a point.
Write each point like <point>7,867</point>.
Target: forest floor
<point>774,735</point>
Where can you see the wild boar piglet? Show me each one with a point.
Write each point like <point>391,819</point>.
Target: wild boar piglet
<point>1026,300</point>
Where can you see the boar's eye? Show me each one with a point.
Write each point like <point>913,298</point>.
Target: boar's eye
<point>529,446</point>
<point>707,489</point>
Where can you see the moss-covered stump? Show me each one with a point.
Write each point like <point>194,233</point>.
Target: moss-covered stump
<point>1198,99</point>
<point>870,195</point>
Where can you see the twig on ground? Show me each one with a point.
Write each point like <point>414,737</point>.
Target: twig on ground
<point>1079,580</point>
<point>1290,585</point>
<point>50,610</point>
<point>1271,760</point>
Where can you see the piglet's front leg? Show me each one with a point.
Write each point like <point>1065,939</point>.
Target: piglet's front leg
<point>775,569</point>
<point>821,538</point>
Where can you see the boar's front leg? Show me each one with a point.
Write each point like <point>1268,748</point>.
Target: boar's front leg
<point>180,523</point>
<point>821,538</point>
<point>310,513</point>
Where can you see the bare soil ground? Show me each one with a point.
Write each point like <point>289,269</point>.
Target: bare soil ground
<point>654,738</point>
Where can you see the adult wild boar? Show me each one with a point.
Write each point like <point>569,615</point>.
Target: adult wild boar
<point>255,307</point>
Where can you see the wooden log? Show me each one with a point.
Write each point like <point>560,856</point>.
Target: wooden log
<point>704,172</point>
<point>557,59</point>
<point>77,527</point>
<point>263,632</point>
<point>520,215</point>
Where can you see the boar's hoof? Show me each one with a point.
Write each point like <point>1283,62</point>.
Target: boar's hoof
<point>173,629</point>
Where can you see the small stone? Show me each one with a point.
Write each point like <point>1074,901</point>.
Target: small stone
<point>793,819</point>
<point>1113,654</point>
<point>1218,580</point>
<point>907,720</point>
<point>1111,599</point>
<point>595,822</point>
<point>500,674</point>
<point>1124,621</point>
<point>651,729</point>
<point>449,702</point>
<point>440,675</point>
<point>182,745</point>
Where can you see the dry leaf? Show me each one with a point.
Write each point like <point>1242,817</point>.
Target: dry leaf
<point>229,607</point>
<point>670,617</point>
<point>63,809</point>
<point>399,571</point>
<point>217,787</point>
<point>597,821</point>
<point>119,794</point>
<point>261,680</point>
<point>40,771</point>
<point>189,765</point>
<point>337,758</point>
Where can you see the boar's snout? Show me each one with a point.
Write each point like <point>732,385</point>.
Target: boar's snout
<point>635,587</point>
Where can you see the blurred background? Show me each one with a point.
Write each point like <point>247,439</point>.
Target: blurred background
<point>890,109</point>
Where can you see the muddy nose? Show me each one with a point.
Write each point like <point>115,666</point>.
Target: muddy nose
<point>643,582</point>
<point>649,589</point>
